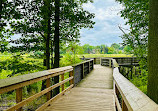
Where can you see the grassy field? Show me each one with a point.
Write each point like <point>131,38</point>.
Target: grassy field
<point>105,55</point>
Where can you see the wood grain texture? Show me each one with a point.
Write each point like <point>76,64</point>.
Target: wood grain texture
<point>12,83</point>
<point>100,77</point>
<point>134,99</point>
<point>18,79</point>
<point>97,95</point>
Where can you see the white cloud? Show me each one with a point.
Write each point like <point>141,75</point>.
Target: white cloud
<point>107,19</point>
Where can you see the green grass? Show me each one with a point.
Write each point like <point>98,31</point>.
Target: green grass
<point>104,55</point>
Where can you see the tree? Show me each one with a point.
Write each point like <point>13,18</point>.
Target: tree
<point>136,12</point>
<point>8,11</point>
<point>38,25</point>
<point>87,48</point>
<point>116,46</point>
<point>153,52</point>
<point>127,50</point>
<point>56,42</point>
<point>41,30</point>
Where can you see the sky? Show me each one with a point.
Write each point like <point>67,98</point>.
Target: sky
<point>107,18</point>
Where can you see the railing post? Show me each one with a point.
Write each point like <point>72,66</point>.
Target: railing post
<point>48,83</point>
<point>124,107</point>
<point>109,62</point>
<point>89,66</point>
<point>19,97</point>
<point>83,70</point>
<point>62,78</point>
<point>116,91</point>
<point>93,64</point>
<point>94,60</point>
<point>70,75</point>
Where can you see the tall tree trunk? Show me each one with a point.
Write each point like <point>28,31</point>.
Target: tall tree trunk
<point>47,18</point>
<point>52,57</point>
<point>48,37</point>
<point>56,43</point>
<point>152,90</point>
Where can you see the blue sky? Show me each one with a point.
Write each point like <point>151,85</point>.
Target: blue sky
<point>107,19</point>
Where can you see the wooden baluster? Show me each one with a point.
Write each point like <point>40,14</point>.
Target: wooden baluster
<point>83,70</point>
<point>116,91</point>
<point>70,75</point>
<point>109,62</point>
<point>62,78</point>
<point>92,64</point>
<point>124,107</point>
<point>89,67</point>
<point>48,83</point>
<point>94,60</point>
<point>131,72</point>
<point>19,97</point>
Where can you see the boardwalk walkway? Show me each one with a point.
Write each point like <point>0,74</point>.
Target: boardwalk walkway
<point>94,93</point>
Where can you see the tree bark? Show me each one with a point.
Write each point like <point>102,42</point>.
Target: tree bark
<point>48,33</point>
<point>152,89</point>
<point>48,37</point>
<point>56,43</point>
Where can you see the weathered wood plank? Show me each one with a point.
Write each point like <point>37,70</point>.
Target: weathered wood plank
<point>27,77</point>
<point>134,99</point>
<point>53,99</point>
<point>29,81</point>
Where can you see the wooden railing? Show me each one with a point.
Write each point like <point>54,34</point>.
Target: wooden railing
<point>76,73</point>
<point>17,83</point>
<point>127,61</point>
<point>127,96</point>
<point>106,62</point>
<point>82,69</point>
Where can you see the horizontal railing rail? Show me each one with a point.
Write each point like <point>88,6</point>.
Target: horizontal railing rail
<point>122,61</point>
<point>127,96</point>
<point>16,83</point>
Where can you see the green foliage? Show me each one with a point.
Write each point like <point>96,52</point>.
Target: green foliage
<point>127,50</point>
<point>140,81</point>
<point>17,65</point>
<point>111,50</point>
<point>102,49</point>
<point>69,59</point>
<point>136,12</point>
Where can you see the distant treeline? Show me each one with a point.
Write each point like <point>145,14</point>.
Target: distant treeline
<point>100,49</point>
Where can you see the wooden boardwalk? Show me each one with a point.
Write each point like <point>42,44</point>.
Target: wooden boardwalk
<point>94,93</point>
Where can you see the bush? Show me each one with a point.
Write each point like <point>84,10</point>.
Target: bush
<point>69,59</point>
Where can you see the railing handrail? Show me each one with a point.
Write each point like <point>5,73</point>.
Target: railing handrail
<point>27,77</point>
<point>82,62</point>
<point>133,98</point>
<point>16,83</point>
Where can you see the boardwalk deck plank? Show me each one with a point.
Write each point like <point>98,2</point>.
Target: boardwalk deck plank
<point>94,93</point>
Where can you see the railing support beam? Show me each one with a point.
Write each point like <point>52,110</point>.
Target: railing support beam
<point>62,78</point>
<point>48,83</point>
<point>19,97</point>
